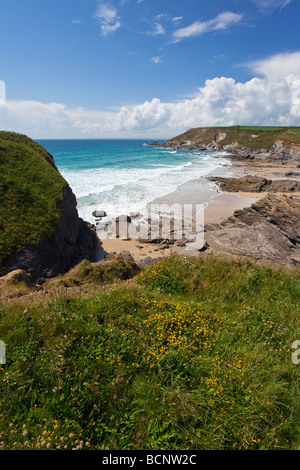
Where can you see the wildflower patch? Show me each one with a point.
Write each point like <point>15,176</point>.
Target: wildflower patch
<point>183,327</point>
<point>167,276</point>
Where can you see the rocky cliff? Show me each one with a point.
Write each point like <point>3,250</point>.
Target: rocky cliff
<point>40,230</point>
<point>269,143</point>
<point>269,230</point>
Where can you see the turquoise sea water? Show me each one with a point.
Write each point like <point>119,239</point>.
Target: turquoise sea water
<point>121,176</point>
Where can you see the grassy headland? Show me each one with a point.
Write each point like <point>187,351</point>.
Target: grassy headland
<point>190,354</point>
<point>30,188</point>
<point>247,136</point>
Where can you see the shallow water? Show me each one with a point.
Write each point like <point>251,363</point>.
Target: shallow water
<point>123,176</point>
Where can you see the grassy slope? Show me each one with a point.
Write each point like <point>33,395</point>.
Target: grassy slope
<point>192,354</point>
<point>30,187</point>
<point>266,136</point>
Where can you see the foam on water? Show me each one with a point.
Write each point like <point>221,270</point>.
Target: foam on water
<point>124,176</point>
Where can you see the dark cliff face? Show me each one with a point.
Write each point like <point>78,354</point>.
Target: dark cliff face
<point>73,241</point>
<point>40,230</point>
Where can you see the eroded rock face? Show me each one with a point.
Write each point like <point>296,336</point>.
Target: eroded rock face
<point>16,277</point>
<point>73,241</point>
<point>257,184</point>
<point>224,139</point>
<point>279,152</point>
<point>16,284</point>
<point>269,229</point>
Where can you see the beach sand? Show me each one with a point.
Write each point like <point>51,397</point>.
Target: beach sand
<point>219,208</point>
<point>269,170</point>
<point>219,205</point>
<point>138,250</point>
<point>224,204</point>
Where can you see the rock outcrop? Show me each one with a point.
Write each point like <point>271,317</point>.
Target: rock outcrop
<point>112,268</point>
<point>40,230</point>
<point>73,241</point>
<point>267,144</point>
<point>257,184</point>
<point>269,230</point>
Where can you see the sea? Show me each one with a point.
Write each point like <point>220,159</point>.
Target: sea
<point>125,176</point>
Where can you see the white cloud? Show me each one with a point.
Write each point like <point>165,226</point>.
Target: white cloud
<point>157,30</point>
<point>161,16</point>
<point>53,120</point>
<point>270,5</point>
<point>272,99</point>
<point>108,19</point>
<point>177,18</point>
<point>220,57</point>
<point>221,101</point>
<point>156,60</point>
<point>277,66</point>
<point>221,22</point>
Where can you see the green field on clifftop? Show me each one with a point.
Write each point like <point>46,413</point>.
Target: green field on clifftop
<point>248,136</point>
<point>191,354</point>
<point>30,188</point>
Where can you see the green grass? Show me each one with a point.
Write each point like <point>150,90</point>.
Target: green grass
<point>264,137</point>
<point>30,188</point>
<point>192,354</point>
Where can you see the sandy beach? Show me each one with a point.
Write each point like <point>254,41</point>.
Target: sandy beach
<point>219,208</point>
<point>224,204</point>
<point>138,250</point>
<point>219,205</point>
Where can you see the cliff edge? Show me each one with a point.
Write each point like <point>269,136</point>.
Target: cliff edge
<point>273,143</point>
<point>40,230</point>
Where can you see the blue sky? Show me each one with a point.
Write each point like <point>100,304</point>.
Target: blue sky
<point>135,68</point>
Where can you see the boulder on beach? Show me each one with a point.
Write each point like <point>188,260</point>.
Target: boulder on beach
<point>126,256</point>
<point>99,214</point>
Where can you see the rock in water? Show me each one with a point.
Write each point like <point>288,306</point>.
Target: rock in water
<point>40,230</point>
<point>99,214</point>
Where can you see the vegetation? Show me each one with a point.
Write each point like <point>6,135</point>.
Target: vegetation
<point>253,137</point>
<point>30,188</point>
<point>93,274</point>
<point>189,354</point>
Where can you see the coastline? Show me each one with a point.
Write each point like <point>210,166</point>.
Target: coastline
<point>224,204</point>
<point>127,348</point>
<point>220,206</point>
